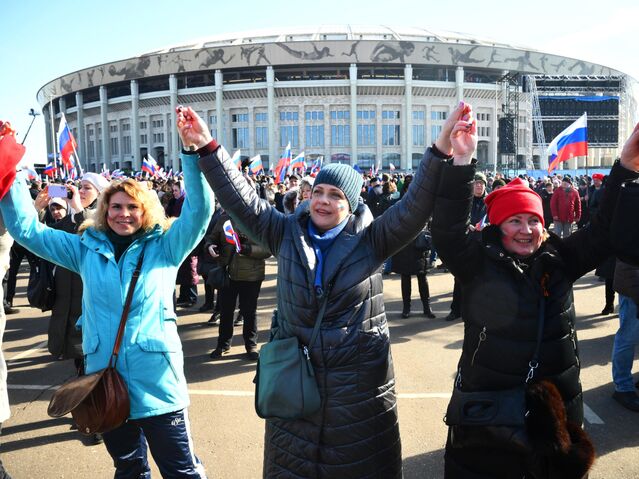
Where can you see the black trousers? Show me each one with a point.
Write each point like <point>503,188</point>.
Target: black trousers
<point>422,285</point>
<point>246,293</point>
<point>18,253</point>
<point>455,306</point>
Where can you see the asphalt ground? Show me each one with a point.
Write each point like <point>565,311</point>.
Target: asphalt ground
<point>228,435</point>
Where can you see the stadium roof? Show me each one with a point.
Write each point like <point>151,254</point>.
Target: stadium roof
<point>335,32</point>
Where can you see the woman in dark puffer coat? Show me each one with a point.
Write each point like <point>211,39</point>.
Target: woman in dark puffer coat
<point>355,434</point>
<point>507,278</point>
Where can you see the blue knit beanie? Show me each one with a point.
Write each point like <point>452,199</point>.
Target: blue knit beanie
<point>343,177</point>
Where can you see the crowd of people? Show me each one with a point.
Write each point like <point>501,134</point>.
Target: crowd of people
<point>335,234</point>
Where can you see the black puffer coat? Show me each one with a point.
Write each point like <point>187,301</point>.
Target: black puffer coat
<point>356,433</point>
<point>64,339</point>
<point>501,302</point>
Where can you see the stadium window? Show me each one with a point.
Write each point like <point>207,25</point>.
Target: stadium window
<point>114,146</point>
<point>340,135</point>
<point>289,134</point>
<point>261,116</point>
<point>143,125</point>
<point>435,130</point>
<point>239,118</point>
<point>418,115</point>
<point>438,115</point>
<point>144,139</point>
<point>390,135</point>
<point>239,137</point>
<point>390,114</point>
<point>261,137</point>
<point>126,145</point>
<point>366,135</point>
<point>314,135</point>
<point>418,135</point>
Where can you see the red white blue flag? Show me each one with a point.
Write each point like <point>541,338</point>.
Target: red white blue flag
<point>237,159</point>
<point>283,164</point>
<point>49,170</point>
<point>66,143</point>
<point>297,163</point>
<point>255,164</point>
<point>149,165</point>
<point>231,236</point>
<point>571,142</point>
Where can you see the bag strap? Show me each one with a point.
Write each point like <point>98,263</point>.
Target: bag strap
<point>318,321</point>
<point>125,310</point>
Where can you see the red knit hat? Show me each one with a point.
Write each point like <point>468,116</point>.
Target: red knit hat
<point>514,198</point>
<point>598,176</point>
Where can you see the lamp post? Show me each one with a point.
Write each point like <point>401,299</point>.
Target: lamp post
<point>32,113</point>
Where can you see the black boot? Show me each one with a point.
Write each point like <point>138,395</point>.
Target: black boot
<point>406,310</point>
<point>427,311</point>
<point>609,308</point>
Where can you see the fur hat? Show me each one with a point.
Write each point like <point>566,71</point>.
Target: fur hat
<point>567,179</point>
<point>343,177</point>
<point>481,177</point>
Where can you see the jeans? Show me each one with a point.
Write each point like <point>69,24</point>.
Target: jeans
<point>562,230</point>
<point>169,439</point>
<point>623,350</point>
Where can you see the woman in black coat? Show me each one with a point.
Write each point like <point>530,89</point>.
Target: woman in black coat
<point>411,261</point>
<point>331,246</point>
<point>516,280</point>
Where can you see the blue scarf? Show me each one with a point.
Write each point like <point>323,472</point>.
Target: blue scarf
<point>321,245</point>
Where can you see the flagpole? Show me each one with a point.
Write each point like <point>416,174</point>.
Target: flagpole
<point>78,158</point>
<point>53,142</point>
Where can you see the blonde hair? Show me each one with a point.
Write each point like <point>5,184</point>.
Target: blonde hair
<point>153,213</point>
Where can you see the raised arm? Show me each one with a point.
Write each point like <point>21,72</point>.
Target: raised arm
<point>454,197</point>
<point>403,221</point>
<point>21,219</point>
<point>263,223</point>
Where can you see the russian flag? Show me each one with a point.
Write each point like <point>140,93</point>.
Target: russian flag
<point>66,143</point>
<point>237,159</point>
<point>571,142</point>
<point>231,236</point>
<point>282,165</point>
<point>297,163</point>
<point>255,164</point>
<point>49,170</point>
<point>391,167</point>
<point>149,165</point>
<point>317,166</point>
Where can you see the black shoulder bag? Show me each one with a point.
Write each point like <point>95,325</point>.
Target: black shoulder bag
<point>41,286</point>
<point>494,418</point>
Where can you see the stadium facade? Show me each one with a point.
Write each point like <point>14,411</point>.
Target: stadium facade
<point>371,96</point>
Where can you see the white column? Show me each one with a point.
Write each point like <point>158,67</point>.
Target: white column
<point>135,126</point>
<point>378,135</point>
<point>81,139</point>
<point>270,104</point>
<point>106,137</point>
<point>407,149</point>
<point>353,78</point>
<point>251,131</point>
<point>327,133</point>
<point>219,97</point>
<point>459,83</point>
<point>48,127</point>
<point>174,153</point>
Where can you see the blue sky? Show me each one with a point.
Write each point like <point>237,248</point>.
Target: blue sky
<point>44,40</point>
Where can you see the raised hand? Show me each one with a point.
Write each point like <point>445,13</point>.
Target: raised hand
<point>463,139</point>
<point>191,128</point>
<point>443,143</point>
<point>630,152</point>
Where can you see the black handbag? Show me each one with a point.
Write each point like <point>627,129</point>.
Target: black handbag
<point>285,384</point>
<point>218,277</point>
<point>41,286</point>
<point>494,418</point>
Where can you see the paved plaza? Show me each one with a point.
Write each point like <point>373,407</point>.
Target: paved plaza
<point>229,436</point>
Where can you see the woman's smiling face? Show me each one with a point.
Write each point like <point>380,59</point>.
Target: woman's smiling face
<point>522,234</point>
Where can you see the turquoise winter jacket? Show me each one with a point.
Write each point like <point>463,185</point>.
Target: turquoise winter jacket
<point>150,360</point>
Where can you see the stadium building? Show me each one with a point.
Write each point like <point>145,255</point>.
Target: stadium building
<point>371,96</point>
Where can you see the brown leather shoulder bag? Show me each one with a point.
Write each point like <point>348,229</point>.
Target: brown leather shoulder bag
<point>98,402</point>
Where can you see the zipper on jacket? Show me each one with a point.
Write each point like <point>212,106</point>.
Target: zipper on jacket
<point>573,336</point>
<point>482,338</point>
<point>168,360</point>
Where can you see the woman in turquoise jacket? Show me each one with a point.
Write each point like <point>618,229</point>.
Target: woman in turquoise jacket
<point>129,219</point>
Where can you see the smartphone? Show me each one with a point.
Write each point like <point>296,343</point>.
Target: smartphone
<point>57,191</point>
